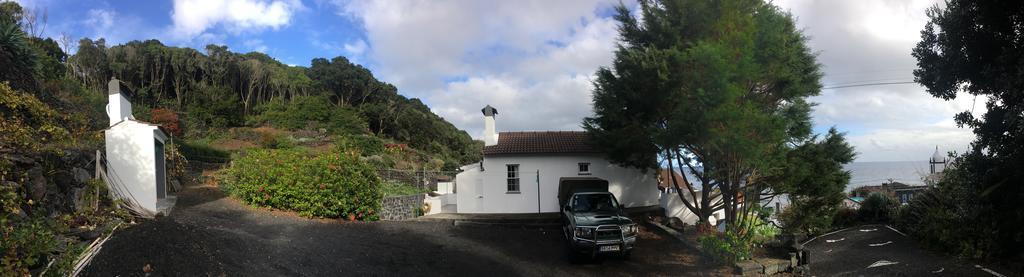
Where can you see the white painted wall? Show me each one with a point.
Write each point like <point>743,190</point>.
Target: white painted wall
<point>674,207</point>
<point>486,191</point>
<point>438,203</point>
<point>445,187</point>
<point>118,108</point>
<point>131,159</point>
<point>467,183</point>
<point>490,131</point>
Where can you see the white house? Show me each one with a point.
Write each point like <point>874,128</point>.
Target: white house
<point>135,155</point>
<point>532,172</point>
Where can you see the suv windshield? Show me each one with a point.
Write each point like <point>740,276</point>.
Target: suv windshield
<point>594,203</point>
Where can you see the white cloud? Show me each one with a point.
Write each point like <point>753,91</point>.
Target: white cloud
<point>559,103</point>
<point>356,48</point>
<point>533,60</point>
<point>100,19</point>
<point>867,42</point>
<point>194,17</point>
<point>110,25</point>
<point>256,45</point>
<point>913,144</point>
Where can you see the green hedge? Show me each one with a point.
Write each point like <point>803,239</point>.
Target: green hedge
<point>393,188</point>
<point>333,184</point>
<point>194,151</point>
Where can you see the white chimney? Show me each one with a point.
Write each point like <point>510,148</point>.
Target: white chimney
<point>490,134</point>
<point>118,107</point>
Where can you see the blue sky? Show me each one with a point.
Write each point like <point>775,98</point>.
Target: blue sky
<point>534,60</point>
<point>310,29</point>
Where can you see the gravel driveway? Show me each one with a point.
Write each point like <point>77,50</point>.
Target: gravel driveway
<point>209,234</point>
<point>876,250</point>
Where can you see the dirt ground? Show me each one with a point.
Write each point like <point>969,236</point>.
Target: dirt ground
<point>209,234</point>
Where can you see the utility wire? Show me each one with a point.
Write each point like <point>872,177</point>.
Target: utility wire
<point>893,69</point>
<point>868,84</point>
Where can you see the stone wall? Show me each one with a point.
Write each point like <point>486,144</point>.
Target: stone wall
<point>400,207</point>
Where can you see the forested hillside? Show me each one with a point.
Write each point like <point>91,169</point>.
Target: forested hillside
<point>218,88</point>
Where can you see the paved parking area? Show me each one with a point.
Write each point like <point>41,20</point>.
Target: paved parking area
<point>211,235</point>
<point>876,250</point>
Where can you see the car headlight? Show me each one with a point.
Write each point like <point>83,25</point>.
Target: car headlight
<point>582,232</point>
<point>630,229</point>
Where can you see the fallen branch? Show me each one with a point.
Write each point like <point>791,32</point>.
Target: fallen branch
<point>91,251</point>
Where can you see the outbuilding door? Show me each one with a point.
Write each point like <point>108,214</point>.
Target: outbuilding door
<point>161,170</point>
<point>568,186</point>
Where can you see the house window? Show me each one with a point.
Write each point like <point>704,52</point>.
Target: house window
<point>513,177</point>
<point>584,168</point>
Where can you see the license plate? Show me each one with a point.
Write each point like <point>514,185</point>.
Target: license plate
<point>608,248</point>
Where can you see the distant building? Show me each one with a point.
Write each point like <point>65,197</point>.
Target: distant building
<point>885,188</point>
<point>900,191</point>
<point>937,162</point>
<point>853,202</point>
<point>904,195</point>
<point>665,183</point>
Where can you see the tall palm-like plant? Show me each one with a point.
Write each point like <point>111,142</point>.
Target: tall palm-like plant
<point>20,62</point>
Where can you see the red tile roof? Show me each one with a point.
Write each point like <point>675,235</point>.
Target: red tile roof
<point>541,143</point>
<point>665,182</point>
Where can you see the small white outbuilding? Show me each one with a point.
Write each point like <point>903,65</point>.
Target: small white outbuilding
<point>135,163</point>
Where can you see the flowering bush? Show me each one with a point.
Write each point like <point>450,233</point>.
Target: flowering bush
<point>335,184</point>
<point>168,119</point>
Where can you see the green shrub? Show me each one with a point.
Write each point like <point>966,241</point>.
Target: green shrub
<point>727,247</point>
<point>878,207</point>
<point>811,216</point>
<point>26,123</point>
<point>311,113</point>
<point>369,145</point>
<point>760,230</point>
<point>195,151</point>
<point>845,217</point>
<point>24,243</point>
<point>332,184</point>
<point>271,140</point>
<point>950,218</point>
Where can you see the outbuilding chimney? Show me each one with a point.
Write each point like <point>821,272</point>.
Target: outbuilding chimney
<point>118,107</point>
<point>490,134</point>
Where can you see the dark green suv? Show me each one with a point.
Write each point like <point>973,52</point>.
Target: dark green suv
<point>594,224</point>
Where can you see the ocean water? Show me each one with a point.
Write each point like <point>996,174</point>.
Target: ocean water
<point>876,173</point>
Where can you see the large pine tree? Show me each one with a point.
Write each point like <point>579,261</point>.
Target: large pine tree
<point>717,88</point>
